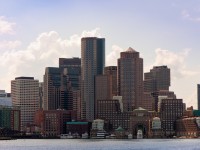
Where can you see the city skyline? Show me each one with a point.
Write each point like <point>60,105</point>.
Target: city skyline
<point>34,34</point>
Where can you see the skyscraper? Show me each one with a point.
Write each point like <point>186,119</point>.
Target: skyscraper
<point>52,91</point>
<point>130,79</point>
<point>92,64</point>
<point>72,69</point>
<point>157,79</point>
<point>198,95</point>
<point>25,94</point>
<point>157,82</point>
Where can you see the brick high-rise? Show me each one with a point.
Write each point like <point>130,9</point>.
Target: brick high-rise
<point>130,79</point>
<point>157,79</point>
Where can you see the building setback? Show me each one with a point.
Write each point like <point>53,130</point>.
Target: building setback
<point>92,64</point>
<point>25,94</point>
<point>130,79</point>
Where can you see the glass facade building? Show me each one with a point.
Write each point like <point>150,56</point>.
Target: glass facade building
<point>92,64</point>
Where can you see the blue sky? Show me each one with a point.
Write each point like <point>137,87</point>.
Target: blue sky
<point>35,33</point>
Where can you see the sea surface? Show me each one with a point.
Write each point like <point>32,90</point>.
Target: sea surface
<point>95,144</point>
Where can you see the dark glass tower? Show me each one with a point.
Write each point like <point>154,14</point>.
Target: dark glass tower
<point>92,64</point>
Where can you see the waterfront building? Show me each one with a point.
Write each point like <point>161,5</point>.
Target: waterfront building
<point>188,127</point>
<point>130,79</point>
<point>170,110</point>
<point>156,128</point>
<point>111,110</point>
<point>78,127</point>
<point>53,122</point>
<point>140,120</point>
<point>92,64</point>
<point>10,117</point>
<point>25,94</point>
<point>97,130</point>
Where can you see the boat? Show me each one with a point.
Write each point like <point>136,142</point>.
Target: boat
<point>130,136</point>
<point>85,135</point>
<point>139,134</point>
<point>67,136</point>
<point>63,136</point>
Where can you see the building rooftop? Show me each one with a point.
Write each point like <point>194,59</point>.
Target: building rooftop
<point>77,123</point>
<point>32,78</point>
<point>130,49</point>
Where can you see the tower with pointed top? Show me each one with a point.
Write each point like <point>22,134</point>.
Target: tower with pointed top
<point>130,79</point>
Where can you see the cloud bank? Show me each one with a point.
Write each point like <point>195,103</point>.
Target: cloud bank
<point>43,52</point>
<point>6,27</point>
<point>175,61</point>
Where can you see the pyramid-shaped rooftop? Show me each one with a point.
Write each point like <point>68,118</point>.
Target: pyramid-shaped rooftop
<point>130,49</point>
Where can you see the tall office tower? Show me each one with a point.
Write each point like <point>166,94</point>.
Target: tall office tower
<point>72,69</point>
<point>25,94</point>
<point>52,93</point>
<point>198,95</point>
<point>92,64</point>
<point>157,79</point>
<point>55,94</point>
<point>130,79</point>
<point>170,110</point>
<point>112,72</point>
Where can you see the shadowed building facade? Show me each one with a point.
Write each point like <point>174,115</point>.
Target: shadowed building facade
<point>92,64</point>
<point>111,71</point>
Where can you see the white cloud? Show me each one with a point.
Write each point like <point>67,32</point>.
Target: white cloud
<point>175,61</point>
<point>187,15</point>
<point>5,45</point>
<point>43,52</point>
<point>5,26</point>
<point>111,58</point>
